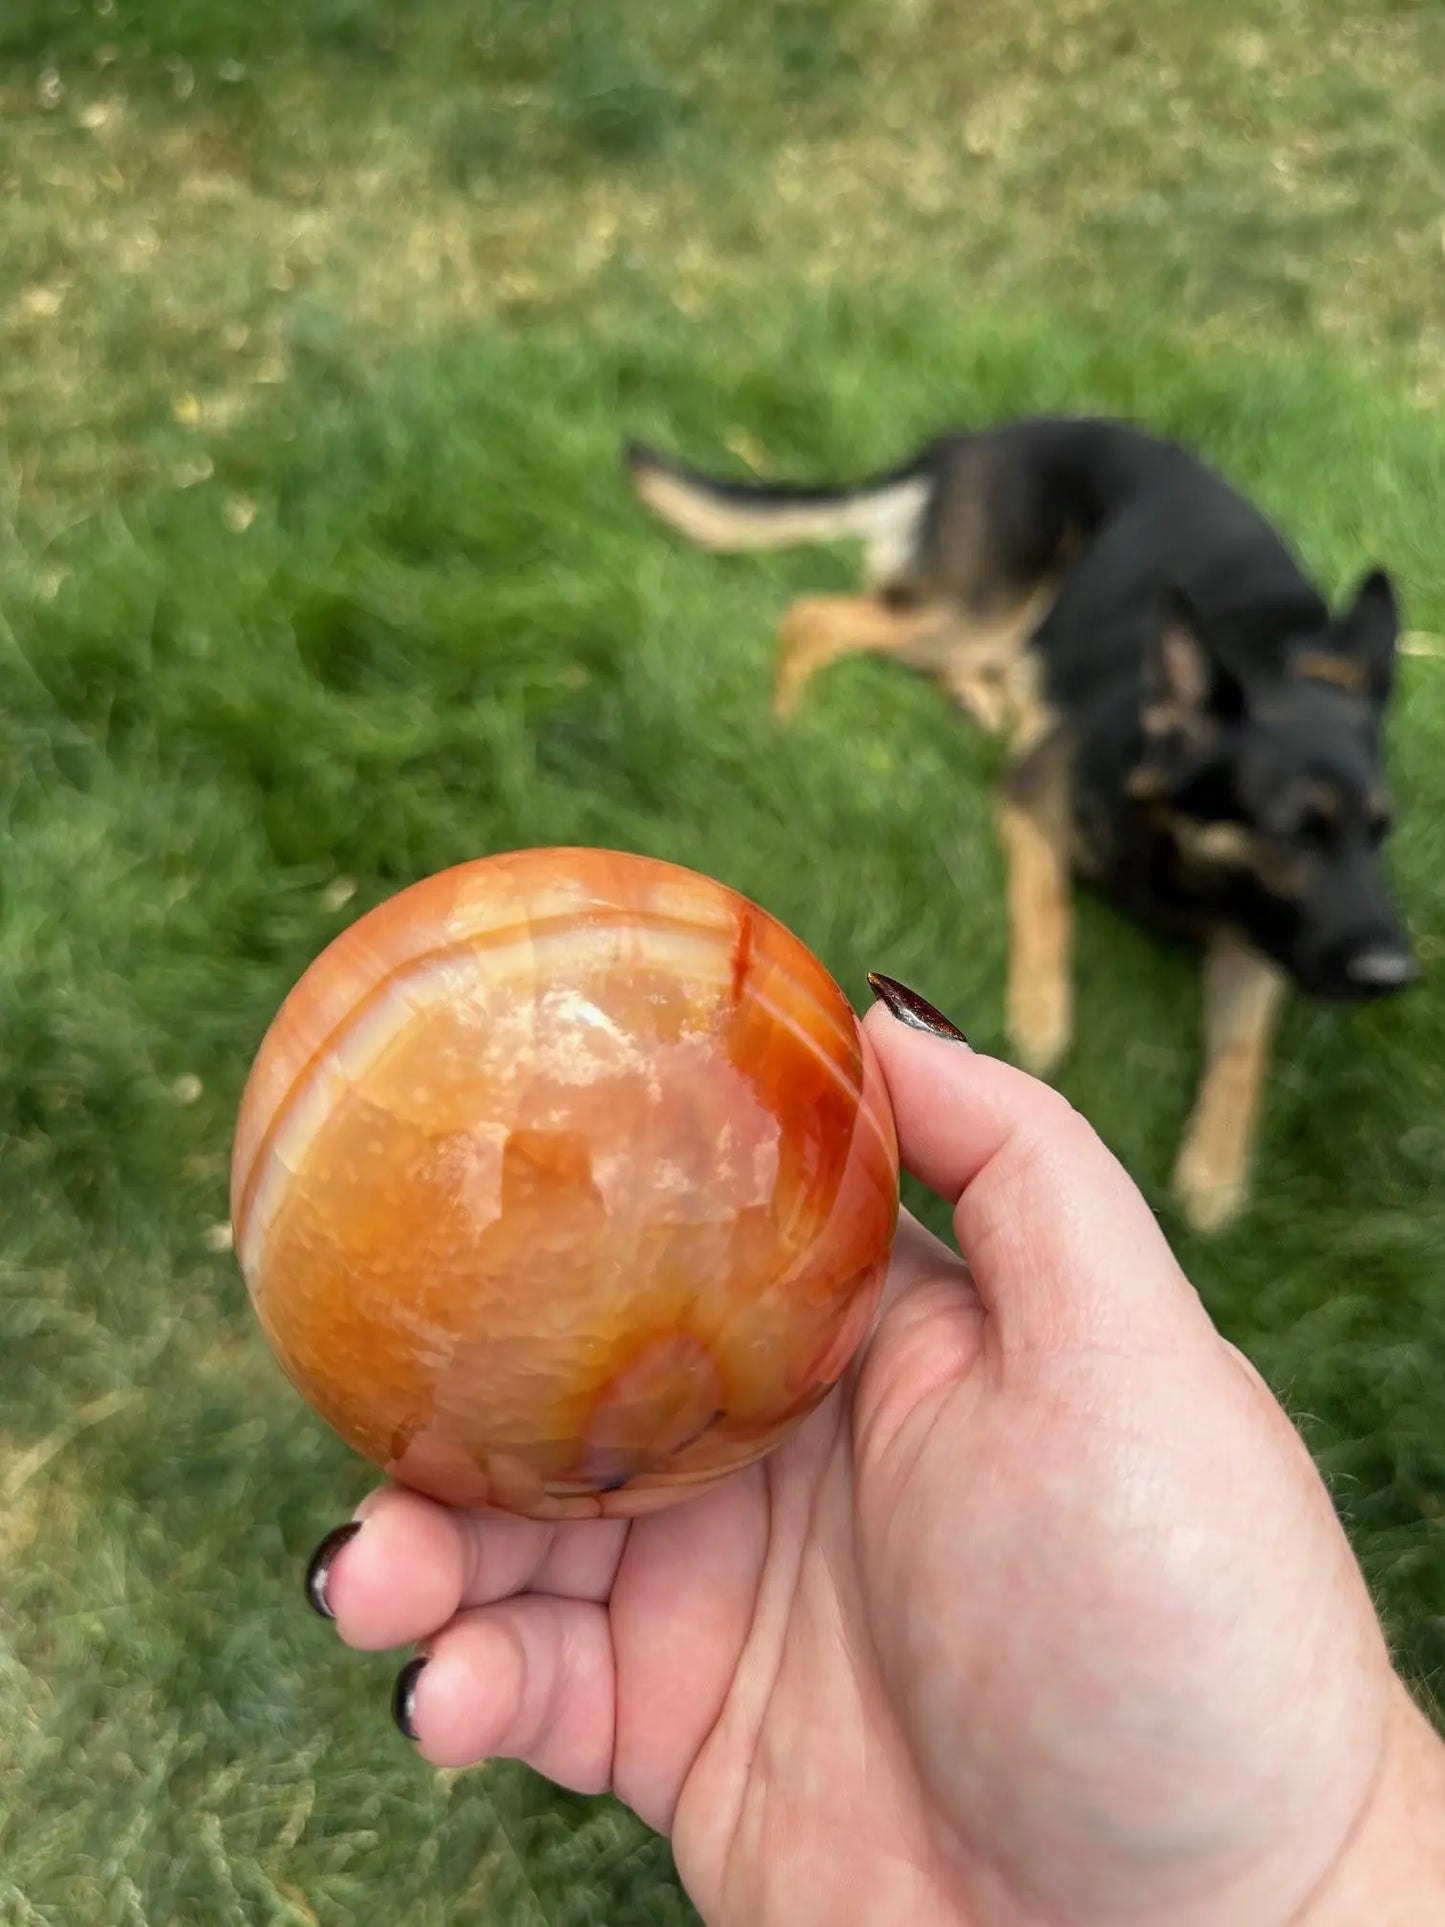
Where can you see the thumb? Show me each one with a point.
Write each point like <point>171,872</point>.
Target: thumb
<point>1064,1252</point>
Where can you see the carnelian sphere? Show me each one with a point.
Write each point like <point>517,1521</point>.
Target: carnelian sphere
<point>564,1182</point>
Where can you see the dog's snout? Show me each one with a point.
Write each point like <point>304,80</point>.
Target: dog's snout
<point>1382,967</point>
<point>1374,961</point>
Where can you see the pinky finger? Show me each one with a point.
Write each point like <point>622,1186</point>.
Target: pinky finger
<point>531,1678</point>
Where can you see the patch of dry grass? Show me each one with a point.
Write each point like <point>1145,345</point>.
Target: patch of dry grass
<point>1264,171</point>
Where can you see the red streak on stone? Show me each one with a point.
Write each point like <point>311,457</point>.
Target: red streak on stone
<point>742,951</point>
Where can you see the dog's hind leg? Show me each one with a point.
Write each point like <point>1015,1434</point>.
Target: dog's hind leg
<point>1243,993</point>
<point>1035,826</point>
<point>818,630</point>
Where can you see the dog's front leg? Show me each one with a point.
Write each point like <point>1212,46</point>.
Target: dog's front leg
<point>1035,829</point>
<point>1243,993</point>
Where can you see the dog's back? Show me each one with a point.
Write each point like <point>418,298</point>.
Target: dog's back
<point>1112,519</point>
<point>1145,519</point>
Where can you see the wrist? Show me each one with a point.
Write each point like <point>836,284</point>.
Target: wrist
<point>1391,1871</point>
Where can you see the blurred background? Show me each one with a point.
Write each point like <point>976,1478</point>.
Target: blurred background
<point>321,324</point>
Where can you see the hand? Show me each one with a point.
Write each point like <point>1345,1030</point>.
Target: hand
<point>1045,1616</point>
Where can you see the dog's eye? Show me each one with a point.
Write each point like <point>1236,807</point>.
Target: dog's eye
<point>1318,828</point>
<point>1379,822</point>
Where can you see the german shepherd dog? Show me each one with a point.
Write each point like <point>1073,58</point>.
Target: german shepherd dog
<point>1190,728</point>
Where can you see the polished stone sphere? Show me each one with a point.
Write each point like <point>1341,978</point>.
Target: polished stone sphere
<point>564,1182</point>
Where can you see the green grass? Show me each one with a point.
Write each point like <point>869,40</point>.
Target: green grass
<point>320,328</point>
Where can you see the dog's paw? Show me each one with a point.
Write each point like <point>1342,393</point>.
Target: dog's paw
<point>794,669</point>
<point>1210,1193</point>
<point>1040,1023</point>
<point>807,640</point>
<point>789,677</point>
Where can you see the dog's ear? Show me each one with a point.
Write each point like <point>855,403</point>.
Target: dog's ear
<point>1369,632</point>
<point>1357,651</point>
<point>1186,686</point>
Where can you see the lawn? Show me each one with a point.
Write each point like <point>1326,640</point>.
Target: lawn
<point>320,327</point>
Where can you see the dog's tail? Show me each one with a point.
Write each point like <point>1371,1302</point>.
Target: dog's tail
<point>729,516</point>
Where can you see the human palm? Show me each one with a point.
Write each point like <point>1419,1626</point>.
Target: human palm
<point>986,1640</point>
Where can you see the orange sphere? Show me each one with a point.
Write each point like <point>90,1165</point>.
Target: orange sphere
<point>564,1182</point>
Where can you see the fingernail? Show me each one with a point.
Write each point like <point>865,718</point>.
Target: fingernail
<point>319,1570</point>
<point>403,1697</point>
<point>911,1009</point>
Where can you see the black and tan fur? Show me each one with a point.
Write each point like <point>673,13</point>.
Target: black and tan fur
<point>1190,727</point>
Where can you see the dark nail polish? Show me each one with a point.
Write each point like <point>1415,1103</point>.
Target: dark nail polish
<point>319,1570</point>
<point>403,1697</point>
<point>911,1009</point>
